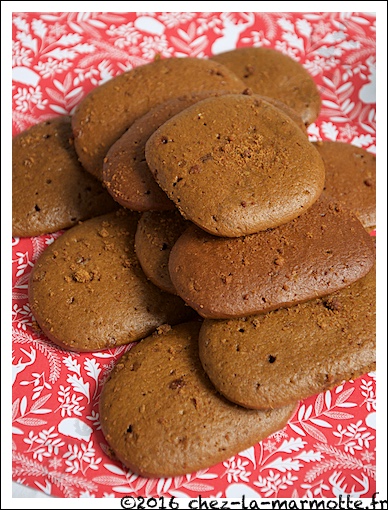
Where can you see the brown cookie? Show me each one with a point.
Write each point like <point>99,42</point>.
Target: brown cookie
<point>284,108</point>
<point>156,234</point>
<point>50,189</point>
<point>316,254</point>
<point>126,174</point>
<point>162,417</point>
<point>88,292</point>
<point>235,165</point>
<point>268,361</point>
<point>271,73</point>
<point>351,178</point>
<point>125,171</point>
<point>108,110</point>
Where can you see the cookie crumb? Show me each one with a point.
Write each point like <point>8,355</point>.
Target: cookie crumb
<point>103,232</point>
<point>164,328</point>
<point>82,276</point>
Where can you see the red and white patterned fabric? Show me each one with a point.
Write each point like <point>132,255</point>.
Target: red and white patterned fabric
<point>328,448</point>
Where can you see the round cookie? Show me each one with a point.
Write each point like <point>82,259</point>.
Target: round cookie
<point>268,361</point>
<point>351,178</point>
<point>235,165</point>
<point>162,417</point>
<point>271,73</point>
<point>108,110</point>
<point>156,234</point>
<point>125,171</point>
<point>88,292</point>
<point>126,174</point>
<point>314,255</point>
<point>50,189</point>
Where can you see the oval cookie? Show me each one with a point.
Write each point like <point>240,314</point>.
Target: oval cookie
<point>108,110</point>
<point>316,254</point>
<point>162,417</point>
<point>88,292</point>
<point>156,234</point>
<point>267,361</point>
<point>351,178</point>
<point>126,174</point>
<point>271,73</point>
<point>125,171</point>
<point>235,165</point>
<point>50,189</point>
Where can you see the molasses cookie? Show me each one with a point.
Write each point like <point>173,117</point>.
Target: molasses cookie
<point>268,361</point>
<point>125,171</point>
<point>108,110</point>
<point>351,178</point>
<point>88,292</point>
<point>156,234</point>
<point>162,417</point>
<point>271,73</point>
<point>314,255</point>
<point>50,189</point>
<point>235,165</point>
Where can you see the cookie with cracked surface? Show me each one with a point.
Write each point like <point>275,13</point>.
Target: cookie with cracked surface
<point>50,189</point>
<point>110,109</point>
<point>88,292</point>
<point>271,73</point>
<point>267,361</point>
<point>162,416</point>
<point>235,165</point>
<point>351,178</point>
<point>156,234</point>
<point>313,255</point>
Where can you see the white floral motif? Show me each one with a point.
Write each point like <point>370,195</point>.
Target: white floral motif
<point>368,392</point>
<point>52,67</point>
<point>20,56</point>
<point>274,482</point>
<point>23,263</point>
<point>358,438</point>
<point>315,490</point>
<point>47,443</point>
<point>69,405</point>
<point>95,419</point>
<point>156,45</point>
<point>22,316</point>
<point>81,459</point>
<point>173,19</point>
<point>236,470</point>
<point>39,383</point>
<point>124,35</point>
<point>26,99</point>
<point>96,76</point>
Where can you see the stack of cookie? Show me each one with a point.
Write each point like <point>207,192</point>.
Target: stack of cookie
<point>241,247</point>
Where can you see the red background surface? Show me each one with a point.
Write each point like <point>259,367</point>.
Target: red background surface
<point>329,446</point>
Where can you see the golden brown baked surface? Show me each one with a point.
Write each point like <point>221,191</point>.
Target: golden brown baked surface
<point>156,234</point>
<point>316,254</point>
<point>125,171</point>
<point>50,189</point>
<point>271,73</point>
<point>267,361</point>
<point>235,165</point>
<point>162,416</point>
<point>351,178</point>
<point>108,110</point>
<point>88,292</point>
